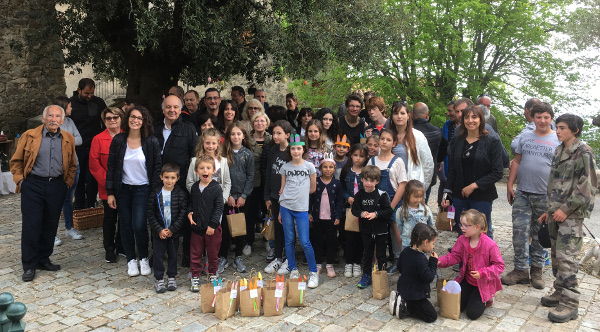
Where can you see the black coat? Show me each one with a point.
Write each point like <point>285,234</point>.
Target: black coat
<point>438,144</point>
<point>336,199</point>
<point>179,210</point>
<point>180,146</point>
<point>207,206</point>
<point>417,272</point>
<point>87,119</point>
<point>116,154</point>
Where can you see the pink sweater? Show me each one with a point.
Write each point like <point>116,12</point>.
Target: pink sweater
<point>486,260</point>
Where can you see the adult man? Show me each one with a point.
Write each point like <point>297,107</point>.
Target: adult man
<point>178,140</point>
<point>350,124</point>
<point>43,167</point>
<point>238,95</point>
<point>261,96</point>
<point>571,193</point>
<point>454,112</point>
<point>191,100</point>
<point>437,142</point>
<point>530,124</point>
<point>131,101</point>
<point>212,100</point>
<point>531,166</point>
<point>176,90</point>
<point>486,101</point>
<point>86,115</point>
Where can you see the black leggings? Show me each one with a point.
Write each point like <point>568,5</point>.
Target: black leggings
<point>470,300</point>
<point>422,309</point>
<point>279,237</point>
<point>324,237</point>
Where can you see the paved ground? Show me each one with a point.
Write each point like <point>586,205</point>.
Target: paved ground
<point>88,294</point>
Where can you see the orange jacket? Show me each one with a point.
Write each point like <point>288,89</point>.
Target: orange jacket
<point>22,160</point>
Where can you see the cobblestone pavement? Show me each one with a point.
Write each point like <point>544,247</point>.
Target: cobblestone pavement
<point>89,294</point>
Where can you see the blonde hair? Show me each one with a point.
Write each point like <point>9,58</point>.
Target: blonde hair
<point>322,142</point>
<point>210,132</point>
<point>475,218</point>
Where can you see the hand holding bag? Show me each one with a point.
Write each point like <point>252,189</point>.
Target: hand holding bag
<point>268,231</point>
<point>236,223</point>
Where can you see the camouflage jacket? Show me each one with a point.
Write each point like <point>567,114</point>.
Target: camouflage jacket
<point>573,183</point>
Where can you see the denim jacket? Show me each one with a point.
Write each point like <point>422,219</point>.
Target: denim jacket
<point>349,185</point>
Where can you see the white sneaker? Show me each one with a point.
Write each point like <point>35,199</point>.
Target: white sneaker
<point>273,266</point>
<point>247,250</point>
<point>392,302</point>
<point>57,241</point>
<point>348,271</point>
<point>313,280</point>
<point>356,271</point>
<point>283,269</point>
<point>132,268</point>
<point>74,234</point>
<point>145,267</point>
<point>294,274</point>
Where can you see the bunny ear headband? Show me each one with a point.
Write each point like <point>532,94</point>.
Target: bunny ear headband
<point>343,141</point>
<point>295,140</point>
<point>328,157</point>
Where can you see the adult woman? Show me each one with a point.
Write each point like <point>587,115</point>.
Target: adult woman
<point>331,127</point>
<point>133,167</point>
<point>205,120</point>
<point>228,113</point>
<point>291,103</point>
<point>305,115</point>
<point>253,106</point>
<point>475,165</point>
<point>99,152</point>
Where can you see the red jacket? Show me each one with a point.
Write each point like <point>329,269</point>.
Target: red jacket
<point>99,159</point>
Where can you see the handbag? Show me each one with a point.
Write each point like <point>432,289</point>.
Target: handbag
<point>351,222</point>
<point>236,223</point>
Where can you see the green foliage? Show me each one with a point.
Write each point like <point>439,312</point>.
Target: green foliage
<point>584,24</point>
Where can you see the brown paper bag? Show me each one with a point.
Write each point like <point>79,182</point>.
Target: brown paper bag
<point>442,223</point>
<point>351,222</point>
<point>207,296</point>
<point>296,291</point>
<point>268,231</point>
<point>227,302</point>
<point>449,303</point>
<point>270,305</point>
<point>250,302</point>
<point>381,286</point>
<point>236,223</point>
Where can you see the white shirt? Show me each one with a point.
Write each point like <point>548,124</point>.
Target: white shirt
<point>134,167</point>
<point>166,134</point>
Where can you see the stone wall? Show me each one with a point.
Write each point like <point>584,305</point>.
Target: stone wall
<point>30,76</point>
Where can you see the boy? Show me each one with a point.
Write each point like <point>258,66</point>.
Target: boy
<point>341,148</point>
<point>205,220</point>
<point>372,207</point>
<point>166,214</point>
<point>571,194</point>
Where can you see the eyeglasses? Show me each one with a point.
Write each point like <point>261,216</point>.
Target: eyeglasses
<point>465,225</point>
<point>260,121</point>
<point>468,151</point>
<point>112,118</point>
<point>136,118</point>
<point>212,98</point>
<point>253,108</point>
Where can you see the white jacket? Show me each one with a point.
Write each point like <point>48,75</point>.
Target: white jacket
<point>425,168</point>
<point>225,183</point>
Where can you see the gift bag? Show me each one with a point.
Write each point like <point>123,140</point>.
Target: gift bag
<point>208,294</point>
<point>227,301</point>
<point>351,222</point>
<point>381,286</point>
<point>274,298</point>
<point>296,290</point>
<point>236,223</point>
<point>449,303</point>
<point>250,302</point>
<point>442,222</point>
<point>268,231</point>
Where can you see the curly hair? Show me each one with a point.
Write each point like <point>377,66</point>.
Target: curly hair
<point>210,132</point>
<point>147,129</point>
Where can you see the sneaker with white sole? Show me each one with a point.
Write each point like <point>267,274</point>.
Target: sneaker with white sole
<point>171,284</point>
<point>247,250</point>
<point>283,269</point>
<point>270,254</point>
<point>57,241</point>
<point>356,270</point>
<point>159,286</point>
<point>132,268</point>
<point>223,264</point>
<point>195,284</point>
<point>348,271</point>
<point>238,264</point>
<point>313,280</point>
<point>145,267</point>
<point>330,271</point>
<point>74,234</point>
<point>319,268</point>
<point>273,266</point>
<point>294,274</point>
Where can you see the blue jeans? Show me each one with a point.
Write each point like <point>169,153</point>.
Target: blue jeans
<point>132,202</point>
<point>287,220</point>
<point>484,207</point>
<point>67,208</point>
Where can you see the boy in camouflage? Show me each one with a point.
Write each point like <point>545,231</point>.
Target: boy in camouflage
<point>571,193</point>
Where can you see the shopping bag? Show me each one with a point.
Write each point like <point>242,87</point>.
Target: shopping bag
<point>449,302</point>
<point>381,286</point>
<point>236,223</point>
<point>250,302</point>
<point>274,295</point>
<point>208,294</point>
<point>351,222</point>
<point>442,222</point>
<point>296,291</point>
<point>268,231</point>
<point>227,301</point>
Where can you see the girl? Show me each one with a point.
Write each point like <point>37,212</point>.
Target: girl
<point>304,116</point>
<point>228,112</point>
<point>315,141</point>
<point>241,171</point>
<point>327,205</point>
<point>298,177</point>
<point>373,145</point>
<point>275,157</point>
<point>350,175</point>
<point>393,180</point>
<point>412,212</point>
<point>331,128</point>
<point>417,273</point>
<point>482,264</point>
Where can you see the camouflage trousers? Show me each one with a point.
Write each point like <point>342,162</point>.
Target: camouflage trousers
<point>526,210</point>
<point>566,238</point>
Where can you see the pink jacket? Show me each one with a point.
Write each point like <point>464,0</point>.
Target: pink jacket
<point>487,260</point>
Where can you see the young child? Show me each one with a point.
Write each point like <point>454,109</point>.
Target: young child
<point>352,241</point>
<point>298,180</point>
<point>482,264</point>
<point>241,170</point>
<point>373,145</point>
<point>327,206</point>
<point>205,220</point>
<point>372,207</point>
<point>315,142</point>
<point>417,272</point>
<point>412,211</point>
<point>341,148</point>
<point>167,207</point>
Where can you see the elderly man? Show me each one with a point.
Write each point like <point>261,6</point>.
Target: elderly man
<point>43,167</point>
<point>485,101</point>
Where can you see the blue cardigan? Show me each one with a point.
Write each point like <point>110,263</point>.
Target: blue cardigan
<point>336,199</point>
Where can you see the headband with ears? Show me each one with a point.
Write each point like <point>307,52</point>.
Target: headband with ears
<point>295,140</point>
<point>328,157</point>
<point>343,141</point>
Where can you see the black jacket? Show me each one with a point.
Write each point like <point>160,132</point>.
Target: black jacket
<point>381,205</point>
<point>179,210</point>
<point>116,154</point>
<point>488,168</point>
<point>417,272</point>
<point>438,144</point>
<point>86,115</point>
<point>336,199</point>
<point>180,146</point>
<point>207,206</point>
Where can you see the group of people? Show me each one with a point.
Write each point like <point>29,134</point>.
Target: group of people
<point>313,173</point>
